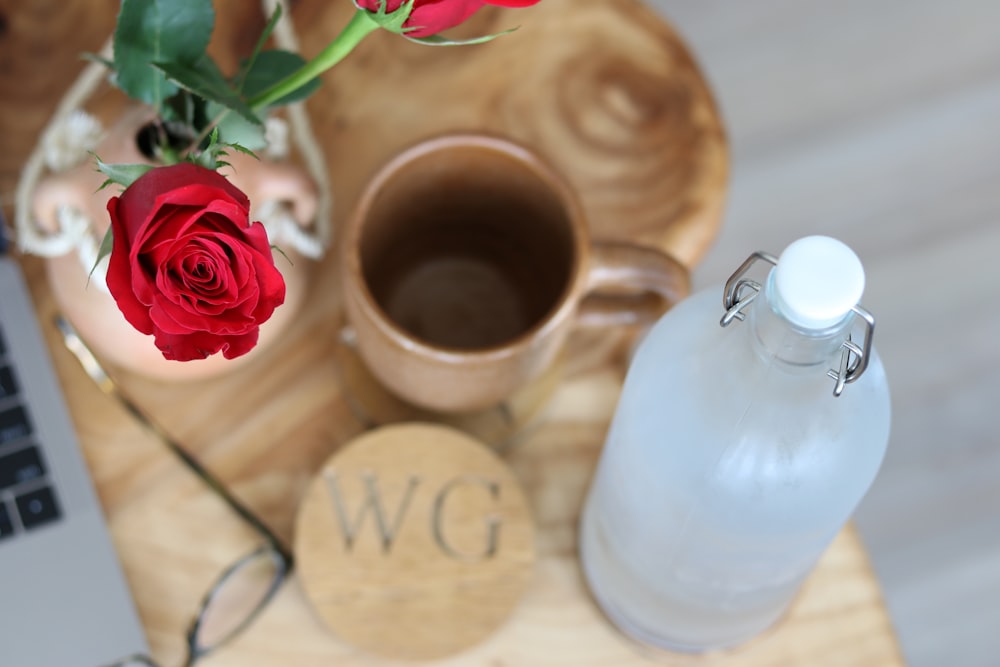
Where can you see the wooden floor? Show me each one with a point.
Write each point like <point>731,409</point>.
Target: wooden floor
<point>878,122</point>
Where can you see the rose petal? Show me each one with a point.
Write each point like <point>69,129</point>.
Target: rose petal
<point>202,272</point>
<point>139,200</point>
<point>119,276</point>
<point>199,344</point>
<point>188,266</point>
<point>233,309</point>
<point>188,346</point>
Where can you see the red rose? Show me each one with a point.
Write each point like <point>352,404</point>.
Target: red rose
<point>430,17</point>
<point>188,267</point>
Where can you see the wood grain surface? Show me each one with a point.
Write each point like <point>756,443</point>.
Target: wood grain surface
<point>611,95</point>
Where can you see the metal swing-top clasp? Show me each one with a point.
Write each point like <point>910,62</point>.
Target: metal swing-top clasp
<point>740,293</point>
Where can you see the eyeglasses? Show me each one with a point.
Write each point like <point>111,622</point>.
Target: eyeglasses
<point>244,589</point>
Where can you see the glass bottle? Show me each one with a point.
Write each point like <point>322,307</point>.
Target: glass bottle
<point>736,453</point>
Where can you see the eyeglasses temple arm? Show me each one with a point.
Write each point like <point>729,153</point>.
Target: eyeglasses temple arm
<point>96,372</point>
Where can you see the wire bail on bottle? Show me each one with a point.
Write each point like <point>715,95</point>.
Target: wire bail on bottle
<point>740,292</point>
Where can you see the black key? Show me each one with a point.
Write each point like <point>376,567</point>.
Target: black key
<point>37,507</point>
<point>8,385</point>
<point>14,424</point>
<point>21,466</point>
<point>6,526</point>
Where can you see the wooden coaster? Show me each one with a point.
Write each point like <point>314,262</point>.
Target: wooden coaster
<point>414,541</point>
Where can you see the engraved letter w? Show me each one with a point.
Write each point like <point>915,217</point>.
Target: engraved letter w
<point>372,500</point>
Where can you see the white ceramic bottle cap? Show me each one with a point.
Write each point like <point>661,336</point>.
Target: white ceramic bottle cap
<point>818,281</point>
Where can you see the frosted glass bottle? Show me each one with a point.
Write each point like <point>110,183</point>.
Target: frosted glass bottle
<point>730,465</point>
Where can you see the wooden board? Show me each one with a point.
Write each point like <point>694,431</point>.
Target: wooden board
<point>609,93</point>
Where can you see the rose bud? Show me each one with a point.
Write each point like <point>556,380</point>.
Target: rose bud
<point>430,17</point>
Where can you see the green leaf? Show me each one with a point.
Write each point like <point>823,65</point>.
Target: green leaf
<point>122,174</point>
<point>185,109</point>
<point>273,66</point>
<point>249,63</point>
<point>107,243</point>
<point>438,40</point>
<point>158,31</point>
<point>203,78</point>
<point>277,249</point>
<point>234,129</point>
<point>336,50</point>
<point>213,138</point>
<point>209,159</point>
<point>242,149</point>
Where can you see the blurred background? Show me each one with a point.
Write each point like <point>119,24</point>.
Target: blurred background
<point>878,122</point>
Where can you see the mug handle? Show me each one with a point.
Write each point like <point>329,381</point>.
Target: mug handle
<point>630,283</point>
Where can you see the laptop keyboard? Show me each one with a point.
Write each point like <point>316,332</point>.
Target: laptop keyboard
<point>27,499</point>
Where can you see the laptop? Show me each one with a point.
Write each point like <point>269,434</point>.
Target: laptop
<point>64,601</point>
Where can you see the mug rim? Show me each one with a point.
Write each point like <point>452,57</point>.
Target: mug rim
<point>543,326</point>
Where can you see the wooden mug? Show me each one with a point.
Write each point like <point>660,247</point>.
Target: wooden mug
<point>466,263</point>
